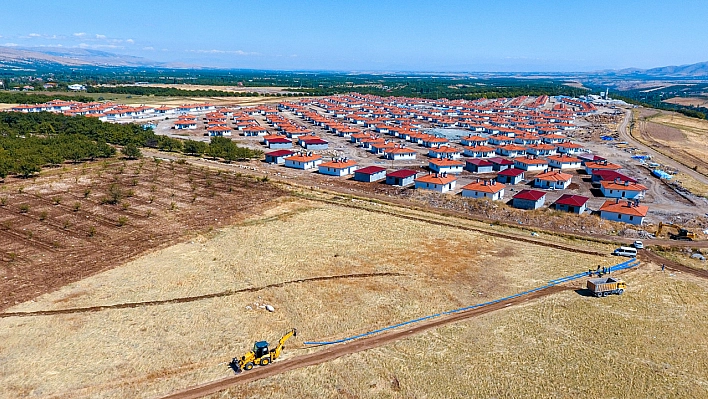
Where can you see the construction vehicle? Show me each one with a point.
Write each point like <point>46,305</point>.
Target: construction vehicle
<point>261,355</point>
<point>605,286</point>
<point>681,233</point>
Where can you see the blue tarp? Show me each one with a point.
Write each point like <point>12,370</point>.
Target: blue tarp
<point>606,138</point>
<point>661,174</point>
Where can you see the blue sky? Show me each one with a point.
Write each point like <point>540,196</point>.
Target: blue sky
<point>491,35</point>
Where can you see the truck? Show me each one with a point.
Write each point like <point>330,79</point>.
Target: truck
<point>604,286</point>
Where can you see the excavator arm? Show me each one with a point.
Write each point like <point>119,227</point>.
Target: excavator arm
<point>275,352</point>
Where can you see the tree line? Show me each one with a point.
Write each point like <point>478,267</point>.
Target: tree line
<point>29,142</point>
<point>25,98</point>
<point>174,92</point>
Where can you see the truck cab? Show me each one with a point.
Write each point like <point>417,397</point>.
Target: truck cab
<point>260,349</point>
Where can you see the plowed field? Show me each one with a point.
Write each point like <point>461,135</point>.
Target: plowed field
<point>73,222</point>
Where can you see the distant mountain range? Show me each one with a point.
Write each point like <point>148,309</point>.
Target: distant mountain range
<point>699,70</point>
<point>26,58</point>
<point>33,58</point>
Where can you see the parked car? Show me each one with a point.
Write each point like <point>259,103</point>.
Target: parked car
<point>638,244</point>
<point>625,251</point>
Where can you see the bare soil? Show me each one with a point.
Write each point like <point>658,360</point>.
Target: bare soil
<point>58,228</point>
<point>689,101</point>
<point>664,133</point>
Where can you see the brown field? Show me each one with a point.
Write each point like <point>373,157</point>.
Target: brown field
<point>681,138</point>
<point>57,228</point>
<point>689,101</point>
<point>146,349</point>
<point>685,259</point>
<point>234,89</point>
<point>651,342</point>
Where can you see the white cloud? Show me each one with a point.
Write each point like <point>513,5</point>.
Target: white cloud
<point>100,36</point>
<point>10,44</point>
<point>149,48</point>
<point>131,41</point>
<point>80,34</point>
<point>35,35</point>
<point>98,46</point>
<point>236,52</point>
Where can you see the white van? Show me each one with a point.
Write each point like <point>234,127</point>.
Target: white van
<point>626,251</point>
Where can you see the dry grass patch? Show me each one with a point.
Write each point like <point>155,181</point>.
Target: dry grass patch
<point>651,342</point>
<point>150,350</point>
<point>684,259</point>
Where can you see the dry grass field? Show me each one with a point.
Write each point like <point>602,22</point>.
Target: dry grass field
<point>652,342</point>
<point>689,101</point>
<point>134,349</point>
<point>679,137</point>
<point>684,139</point>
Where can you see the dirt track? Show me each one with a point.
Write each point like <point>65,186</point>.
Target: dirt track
<point>336,351</point>
<point>190,298</point>
<point>648,256</point>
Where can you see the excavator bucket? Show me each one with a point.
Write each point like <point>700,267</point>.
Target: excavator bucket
<point>233,364</point>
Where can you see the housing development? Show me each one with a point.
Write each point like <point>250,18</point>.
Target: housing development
<point>513,150</point>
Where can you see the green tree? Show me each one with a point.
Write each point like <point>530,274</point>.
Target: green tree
<point>27,166</point>
<point>131,151</point>
<point>5,163</point>
<point>193,147</point>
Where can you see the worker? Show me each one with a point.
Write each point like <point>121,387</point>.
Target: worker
<point>662,267</point>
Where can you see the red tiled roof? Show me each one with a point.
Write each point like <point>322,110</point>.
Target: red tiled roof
<point>572,200</point>
<point>446,162</point>
<point>612,175</point>
<point>280,153</point>
<point>370,170</point>
<point>279,140</point>
<point>628,186</point>
<point>403,173</point>
<point>625,208</point>
<point>485,187</point>
<point>437,178</point>
<point>531,195</point>
<point>338,164</point>
<point>511,172</point>
<point>479,162</point>
<point>304,158</point>
<point>314,141</point>
<point>554,175</point>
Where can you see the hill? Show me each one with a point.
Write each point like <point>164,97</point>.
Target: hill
<point>21,58</point>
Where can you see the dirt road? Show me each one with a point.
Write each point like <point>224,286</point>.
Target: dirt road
<point>648,256</point>
<point>336,351</point>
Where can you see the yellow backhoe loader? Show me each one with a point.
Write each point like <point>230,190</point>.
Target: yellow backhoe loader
<point>261,355</point>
